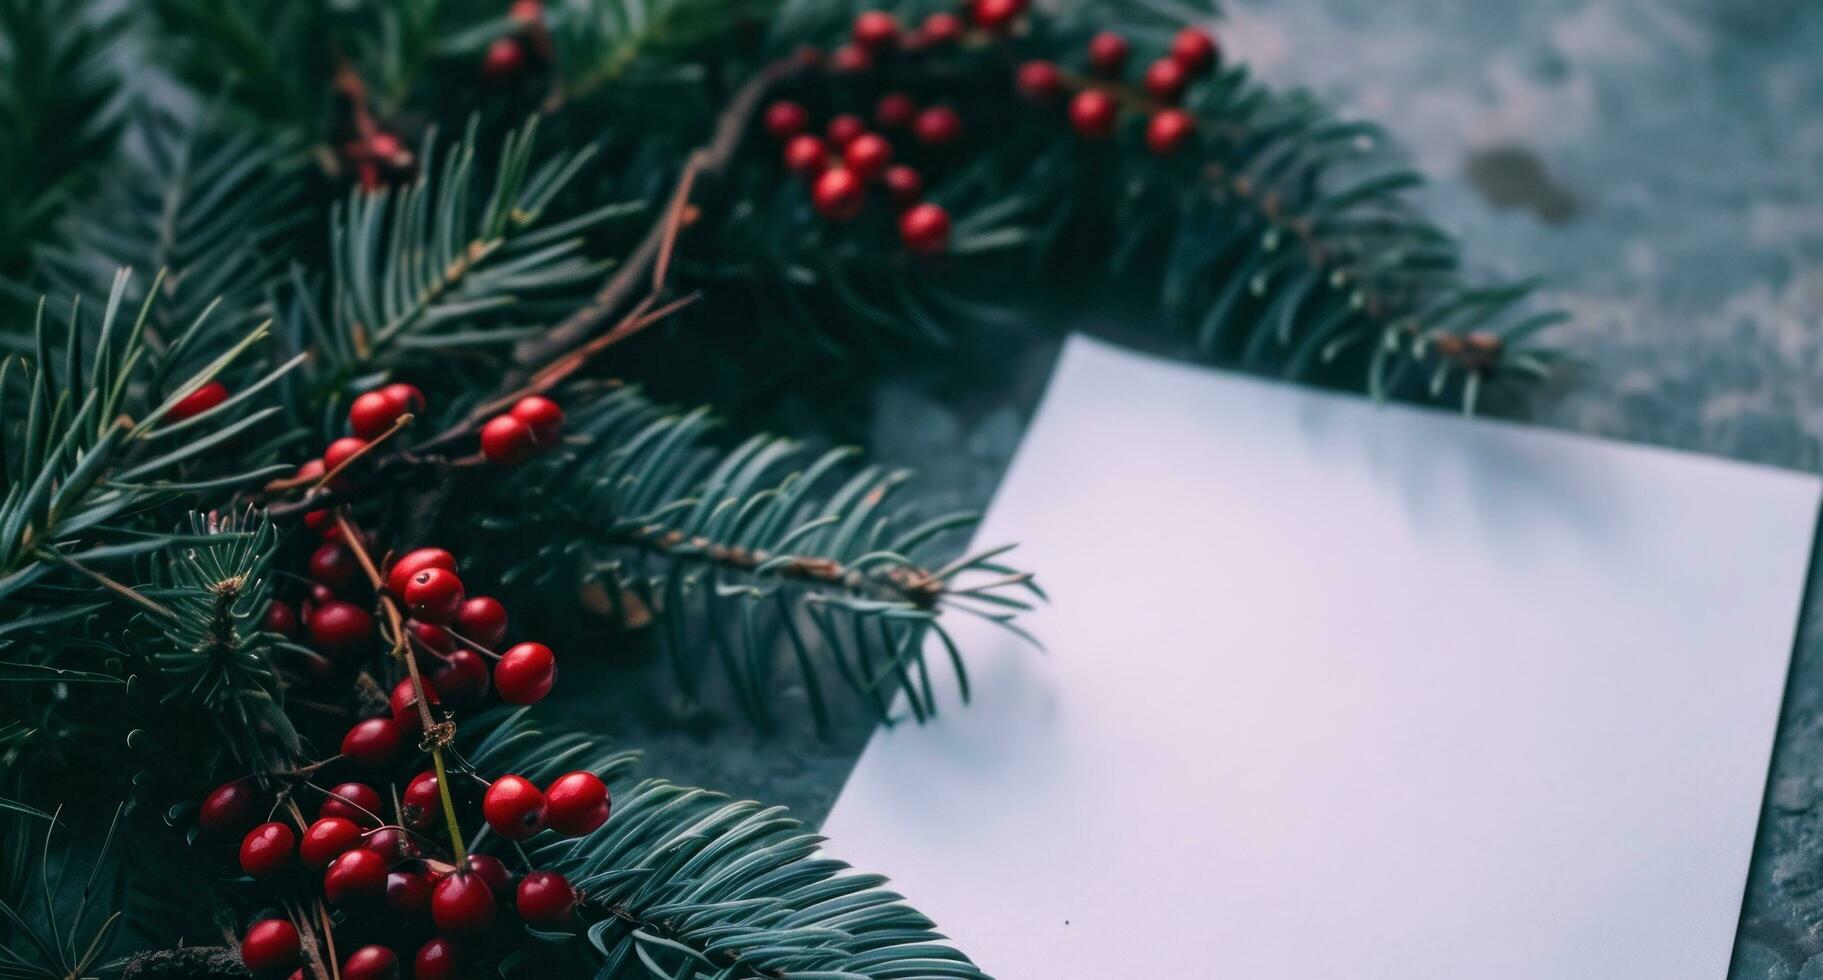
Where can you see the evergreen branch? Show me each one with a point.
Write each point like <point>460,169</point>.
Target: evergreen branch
<point>410,260</point>
<point>688,883</point>
<point>60,109</point>
<point>759,553</point>
<point>208,209</point>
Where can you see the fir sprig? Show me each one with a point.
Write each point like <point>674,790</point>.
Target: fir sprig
<point>764,554</point>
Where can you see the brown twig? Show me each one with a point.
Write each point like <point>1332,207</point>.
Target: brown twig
<point>652,255</point>
<point>436,735</point>
<point>150,605</point>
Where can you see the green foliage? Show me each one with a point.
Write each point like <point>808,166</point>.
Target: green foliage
<point>50,927</point>
<point>60,112</point>
<point>203,212</point>
<point>700,886</point>
<point>212,651</point>
<point>435,266</point>
<point>767,555</point>
<point>76,461</point>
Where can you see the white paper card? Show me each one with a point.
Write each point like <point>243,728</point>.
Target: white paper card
<point>1344,691</point>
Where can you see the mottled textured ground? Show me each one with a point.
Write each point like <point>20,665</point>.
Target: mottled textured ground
<point>1660,163</point>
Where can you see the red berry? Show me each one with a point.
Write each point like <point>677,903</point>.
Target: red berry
<point>320,596</point>
<point>463,677</point>
<point>326,840</point>
<point>406,396</point>
<point>843,129</point>
<point>544,417</point>
<point>1039,81</point>
<point>334,565</point>
<point>270,945</point>
<point>924,228</point>
<point>372,743</point>
<point>867,155</point>
<point>482,621</point>
<point>1193,49</point>
<point>525,673</point>
<point>1093,113</point>
<point>937,125</point>
<point>338,627</point>
<point>506,440</point>
<point>404,704</point>
<point>1108,53</point>
<point>342,450</point>
<point>513,807</point>
<point>505,58</point>
<point>894,110</point>
<point>355,876</point>
<point>546,899</point>
<point>785,119</point>
<point>1167,131</point>
<point>372,413</point>
<point>850,58</point>
<point>353,801</point>
<point>414,562</point>
<point>371,963</point>
<point>322,521</point>
<point>432,637</point>
<point>267,849</point>
<point>197,402</point>
<point>903,185</point>
<point>280,618</point>
<point>576,803</point>
<point>527,12</point>
<point>876,29</point>
<point>392,845</point>
<point>408,893</point>
<point>942,27</point>
<point>805,155</point>
<point>837,194</point>
<point>434,595</point>
<point>436,960</point>
<point>491,871</point>
<point>1165,79</point>
<point>228,808</point>
<point>462,902</point>
<point>995,15</point>
<point>422,803</point>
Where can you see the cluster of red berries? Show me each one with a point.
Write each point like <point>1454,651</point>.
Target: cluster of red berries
<point>509,55</point>
<point>1095,111</point>
<point>449,631</point>
<point>574,804</point>
<point>533,424</point>
<point>842,164</point>
<point>876,31</point>
<point>384,875</point>
<point>383,878</point>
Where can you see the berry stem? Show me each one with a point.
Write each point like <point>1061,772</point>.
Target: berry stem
<point>401,422</point>
<point>434,735</point>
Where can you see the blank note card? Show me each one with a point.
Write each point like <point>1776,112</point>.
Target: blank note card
<point>1338,691</point>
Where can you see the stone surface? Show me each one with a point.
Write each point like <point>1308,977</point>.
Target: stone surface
<point>1658,162</point>
<point>1661,165</point>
